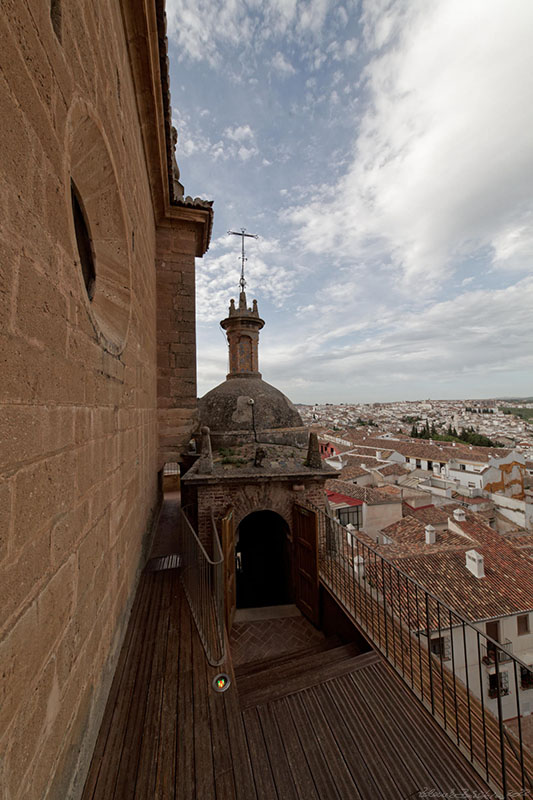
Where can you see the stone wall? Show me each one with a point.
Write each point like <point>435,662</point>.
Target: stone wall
<point>78,424</point>
<point>176,340</point>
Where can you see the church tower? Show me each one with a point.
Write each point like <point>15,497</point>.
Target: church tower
<point>242,327</point>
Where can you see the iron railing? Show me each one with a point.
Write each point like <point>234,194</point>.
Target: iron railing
<point>437,652</point>
<point>202,577</point>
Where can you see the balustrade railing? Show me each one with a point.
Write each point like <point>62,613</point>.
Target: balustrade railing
<point>202,577</point>
<point>438,653</point>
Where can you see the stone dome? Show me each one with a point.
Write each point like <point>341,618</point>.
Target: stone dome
<point>233,419</point>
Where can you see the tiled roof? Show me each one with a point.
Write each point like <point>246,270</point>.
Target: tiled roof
<point>357,458</point>
<point>353,471</point>
<point>471,501</point>
<point>337,498</point>
<point>428,515</point>
<point>409,538</point>
<point>443,452</point>
<point>522,540</point>
<point>507,587</point>
<point>395,491</point>
<point>393,469</point>
<point>368,494</point>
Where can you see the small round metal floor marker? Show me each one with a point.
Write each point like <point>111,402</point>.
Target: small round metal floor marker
<point>221,682</point>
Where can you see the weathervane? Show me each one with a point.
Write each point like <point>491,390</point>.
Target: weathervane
<point>242,234</point>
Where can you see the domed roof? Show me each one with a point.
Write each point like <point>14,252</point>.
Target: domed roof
<point>244,406</point>
<point>233,418</point>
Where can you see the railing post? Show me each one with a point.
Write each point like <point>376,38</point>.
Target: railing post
<point>500,724</point>
<point>430,665</point>
<point>481,687</point>
<point>442,682</point>
<point>384,593</point>
<point>468,694</point>
<point>419,635</point>
<point>408,592</point>
<point>453,672</point>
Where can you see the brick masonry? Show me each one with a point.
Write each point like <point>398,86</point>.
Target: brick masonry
<point>79,393</point>
<point>248,496</point>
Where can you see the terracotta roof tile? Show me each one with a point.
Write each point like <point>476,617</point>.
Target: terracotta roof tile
<point>368,494</point>
<point>428,515</point>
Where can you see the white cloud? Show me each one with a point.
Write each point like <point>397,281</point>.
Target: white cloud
<point>282,65</point>
<point>513,245</point>
<point>350,47</point>
<point>240,133</point>
<point>443,160</point>
<point>455,348</point>
<point>245,153</point>
<point>218,274</point>
<point>203,30</point>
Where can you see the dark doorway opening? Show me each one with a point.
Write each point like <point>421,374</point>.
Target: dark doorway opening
<point>263,565</point>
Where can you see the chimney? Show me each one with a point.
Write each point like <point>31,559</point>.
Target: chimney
<point>349,530</point>
<point>475,563</point>
<point>359,567</point>
<point>431,535</point>
<point>459,515</point>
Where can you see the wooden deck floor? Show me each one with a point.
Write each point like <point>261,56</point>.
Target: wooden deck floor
<point>357,736</point>
<point>166,735</point>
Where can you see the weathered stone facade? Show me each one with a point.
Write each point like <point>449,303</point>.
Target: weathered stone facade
<point>79,419</point>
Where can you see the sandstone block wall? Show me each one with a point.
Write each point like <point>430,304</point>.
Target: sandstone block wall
<point>176,340</point>
<point>78,417</point>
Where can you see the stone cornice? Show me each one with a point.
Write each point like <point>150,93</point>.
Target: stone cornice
<point>146,41</point>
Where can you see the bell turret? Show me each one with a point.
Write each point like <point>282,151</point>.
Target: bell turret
<point>242,327</point>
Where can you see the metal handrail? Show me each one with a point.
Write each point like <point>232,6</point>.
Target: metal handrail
<point>401,617</point>
<point>203,582</point>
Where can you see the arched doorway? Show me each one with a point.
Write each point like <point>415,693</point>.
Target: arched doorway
<point>262,555</point>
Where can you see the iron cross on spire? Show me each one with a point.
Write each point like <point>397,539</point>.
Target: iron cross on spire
<point>242,234</point>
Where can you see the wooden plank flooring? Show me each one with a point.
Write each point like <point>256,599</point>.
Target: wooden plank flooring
<point>347,729</point>
<point>166,734</point>
<point>359,735</point>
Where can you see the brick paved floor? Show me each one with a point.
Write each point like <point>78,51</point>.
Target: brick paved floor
<point>269,638</point>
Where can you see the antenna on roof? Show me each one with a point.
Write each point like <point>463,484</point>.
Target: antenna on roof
<point>242,234</point>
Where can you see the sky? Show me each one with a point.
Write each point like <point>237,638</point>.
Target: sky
<point>383,151</point>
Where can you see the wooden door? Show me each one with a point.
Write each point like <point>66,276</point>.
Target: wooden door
<point>228,551</point>
<point>305,561</point>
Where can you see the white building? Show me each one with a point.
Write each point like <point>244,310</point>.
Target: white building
<point>489,582</point>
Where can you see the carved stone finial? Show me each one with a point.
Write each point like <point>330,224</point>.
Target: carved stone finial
<point>205,462</point>
<point>313,459</point>
<point>232,306</point>
<point>178,187</point>
<point>260,455</point>
<point>254,308</point>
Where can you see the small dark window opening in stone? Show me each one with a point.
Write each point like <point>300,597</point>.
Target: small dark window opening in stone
<point>83,240</point>
<point>55,16</point>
